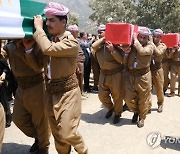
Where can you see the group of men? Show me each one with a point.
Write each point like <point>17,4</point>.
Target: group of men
<point>49,72</point>
<point>129,72</point>
<point>48,93</point>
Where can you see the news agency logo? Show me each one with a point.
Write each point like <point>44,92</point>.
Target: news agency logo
<point>154,139</point>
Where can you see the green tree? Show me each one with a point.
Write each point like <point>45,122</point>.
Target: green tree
<point>73,19</point>
<point>164,14</point>
<point>113,11</point>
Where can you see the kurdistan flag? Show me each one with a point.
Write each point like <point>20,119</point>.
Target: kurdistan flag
<point>16,17</point>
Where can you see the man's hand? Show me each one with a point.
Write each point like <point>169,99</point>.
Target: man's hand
<point>110,46</point>
<point>38,21</point>
<point>135,36</point>
<point>176,47</point>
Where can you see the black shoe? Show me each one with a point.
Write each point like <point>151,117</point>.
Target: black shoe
<point>10,98</point>
<point>149,111</point>
<point>8,119</point>
<point>94,91</point>
<point>35,146</point>
<point>125,107</point>
<point>140,123</point>
<point>116,119</point>
<point>164,92</point>
<point>135,118</point>
<point>40,151</point>
<point>109,113</point>
<point>88,89</point>
<point>8,124</point>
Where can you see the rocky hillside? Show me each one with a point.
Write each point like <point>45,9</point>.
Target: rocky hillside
<point>79,7</point>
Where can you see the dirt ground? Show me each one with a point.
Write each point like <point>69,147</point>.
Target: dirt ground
<point>103,137</point>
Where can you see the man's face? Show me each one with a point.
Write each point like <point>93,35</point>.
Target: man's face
<point>75,33</point>
<point>85,37</point>
<point>156,39</point>
<point>143,39</point>
<point>54,25</point>
<point>101,33</point>
<point>27,41</point>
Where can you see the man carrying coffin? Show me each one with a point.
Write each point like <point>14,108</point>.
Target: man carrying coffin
<point>110,79</point>
<point>81,58</point>
<point>29,112</point>
<point>138,84</point>
<point>63,94</point>
<point>156,67</point>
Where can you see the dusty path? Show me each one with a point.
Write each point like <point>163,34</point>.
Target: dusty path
<point>102,137</point>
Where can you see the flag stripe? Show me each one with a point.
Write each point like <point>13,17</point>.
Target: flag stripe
<point>11,19</point>
<point>30,8</point>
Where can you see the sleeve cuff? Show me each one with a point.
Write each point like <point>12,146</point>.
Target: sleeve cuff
<point>37,32</point>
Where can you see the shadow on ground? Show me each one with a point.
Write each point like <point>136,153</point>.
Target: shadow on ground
<point>14,148</point>
<point>170,142</point>
<point>99,118</point>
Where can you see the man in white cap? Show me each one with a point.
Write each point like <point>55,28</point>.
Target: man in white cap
<point>74,29</point>
<point>138,84</point>
<point>110,79</point>
<point>156,67</point>
<point>81,58</point>
<point>94,62</point>
<point>62,91</point>
<point>101,30</point>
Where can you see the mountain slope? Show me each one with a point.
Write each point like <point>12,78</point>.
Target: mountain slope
<point>79,7</point>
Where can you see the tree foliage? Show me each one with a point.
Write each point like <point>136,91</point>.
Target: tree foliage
<point>73,19</point>
<point>164,14</point>
<point>113,10</point>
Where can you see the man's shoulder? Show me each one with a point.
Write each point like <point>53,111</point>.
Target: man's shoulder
<point>69,36</point>
<point>10,46</point>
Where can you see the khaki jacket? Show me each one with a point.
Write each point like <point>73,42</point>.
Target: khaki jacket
<point>81,56</point>
<point>141,55</point>
<point>61,55</point>
<point>106,59</point>
<point>22,63</point>
<point>159,50</point>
